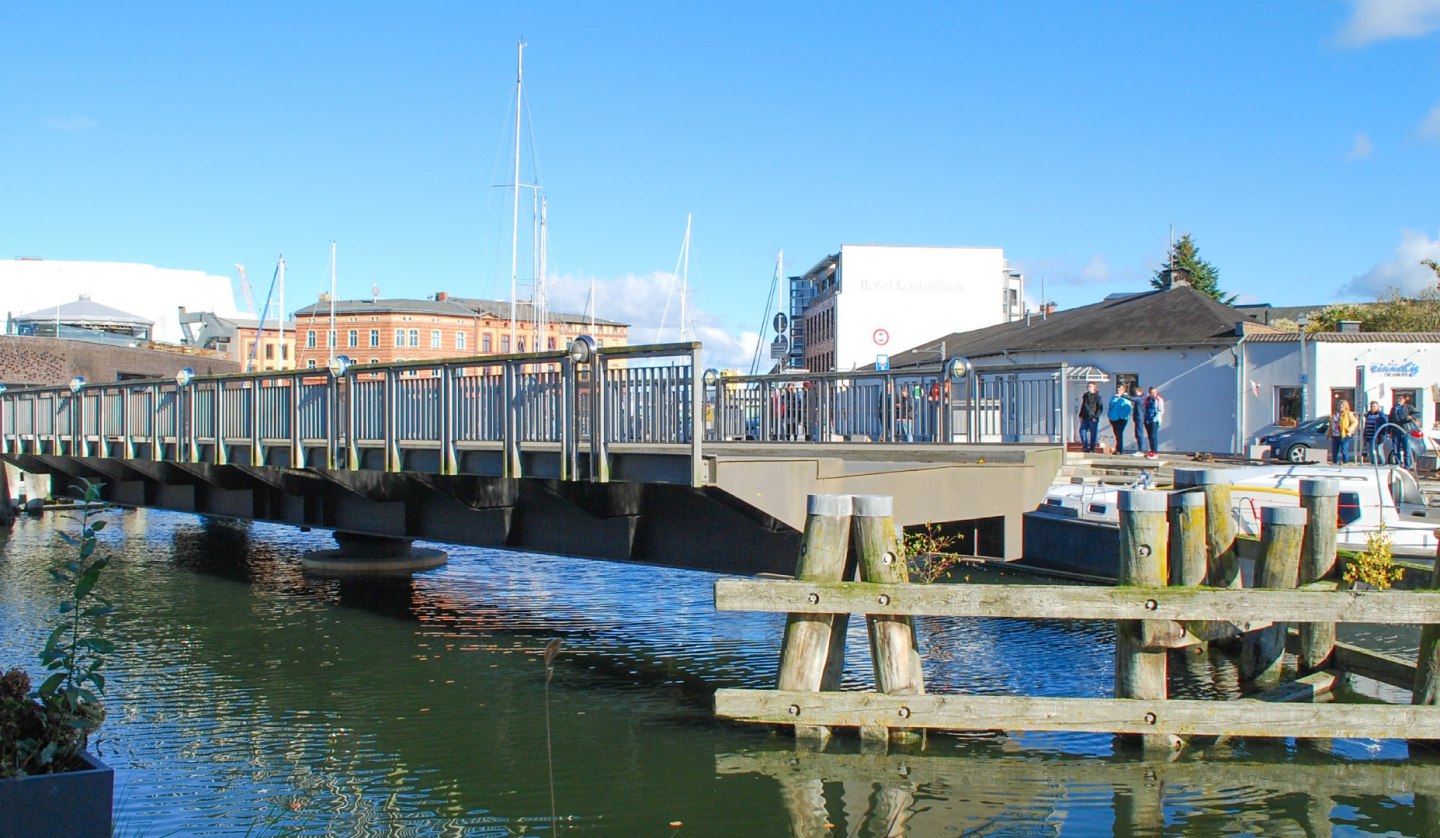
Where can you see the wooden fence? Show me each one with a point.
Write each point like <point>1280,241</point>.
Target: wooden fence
<point>1170,543</point>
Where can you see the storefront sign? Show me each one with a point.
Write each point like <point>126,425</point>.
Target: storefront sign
<point>1409,369</point>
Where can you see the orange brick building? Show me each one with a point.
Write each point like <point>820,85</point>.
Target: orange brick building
<point>381,331</point>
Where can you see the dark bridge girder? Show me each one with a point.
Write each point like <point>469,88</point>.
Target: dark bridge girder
<point>664,524</point>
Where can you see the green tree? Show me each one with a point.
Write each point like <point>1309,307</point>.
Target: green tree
<point>1434,266</point>
<point>1185,256</point>
<point>1393,312</point>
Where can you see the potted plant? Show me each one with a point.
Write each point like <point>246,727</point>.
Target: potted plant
<point>49,783</point>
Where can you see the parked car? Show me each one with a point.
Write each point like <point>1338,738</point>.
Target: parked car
<point>1294,444</point>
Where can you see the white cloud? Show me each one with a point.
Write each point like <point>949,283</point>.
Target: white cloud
<point>1430,125</point>
<point>73,122</point>
<point>1403,272</point>
<point>1360,148</point>
<point>1096,270</point>
<point>1373,21</point>
<point>640,301</point>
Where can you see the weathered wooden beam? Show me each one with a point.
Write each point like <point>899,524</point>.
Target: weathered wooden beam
<point>1246,608</point>
<point>1426,688</point>
<point>1080,715</point>
<point>1306,688</point>
<point>894,651</point>
<point>1140,669</point>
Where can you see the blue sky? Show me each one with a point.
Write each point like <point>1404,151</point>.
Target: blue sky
<point>1298,142</point>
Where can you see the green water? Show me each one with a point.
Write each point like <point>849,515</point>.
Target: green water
<point>250,698</point>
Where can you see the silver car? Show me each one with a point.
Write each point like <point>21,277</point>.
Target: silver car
<point>1294,444</point>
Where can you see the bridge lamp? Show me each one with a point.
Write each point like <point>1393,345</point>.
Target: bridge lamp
<point>958,367</point>
<point>711,377</point>
<point>77,383</point>
<point>3,388</point>
<point>582,349</point>
<point>185,376</point>
<point>339,365</point>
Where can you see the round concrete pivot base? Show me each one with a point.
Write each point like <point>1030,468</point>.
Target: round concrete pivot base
<point>372,555</point>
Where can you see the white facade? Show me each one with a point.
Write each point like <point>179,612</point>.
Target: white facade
<point>153,293</point>
<point>891,298</point>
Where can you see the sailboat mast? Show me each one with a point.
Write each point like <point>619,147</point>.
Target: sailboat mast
<point>281,330</point>
<point>685,281</point>
<point>333,337</point>
<point>515,218</point>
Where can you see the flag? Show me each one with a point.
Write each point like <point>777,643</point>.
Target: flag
<point>1254,388</point>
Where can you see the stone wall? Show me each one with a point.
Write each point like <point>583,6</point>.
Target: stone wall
<point>28,360</point>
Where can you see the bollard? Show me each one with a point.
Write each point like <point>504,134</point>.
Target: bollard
<point>1282,528</point>
<point>1140,671</point>
<point>893,647</point>
<point>1320,499</point>
<point>1222,566</point>
<point>814,645</point>
<point>1427,663</point>
<point>1187,538</point>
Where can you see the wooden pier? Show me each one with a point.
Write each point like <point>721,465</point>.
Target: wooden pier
<point>1293,604</point>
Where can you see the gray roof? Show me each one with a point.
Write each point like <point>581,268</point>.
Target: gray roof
<point>1179,316</point>
<point>452,306</point>
<point>86,311</point>
<point>1347,337</point>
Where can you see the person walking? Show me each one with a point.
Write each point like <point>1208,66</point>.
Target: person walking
<point>1089,418</point>
<point>1137,402</point>
<point>1405,419</point>
<point>1343,425</point>
<point>1119,412</point>
<point>1374,418</point>
<point>1152,410</point>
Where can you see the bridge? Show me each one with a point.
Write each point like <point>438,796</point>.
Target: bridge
<point>626,453</point>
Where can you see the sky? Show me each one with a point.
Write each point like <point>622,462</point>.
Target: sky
<point>1298,143</point>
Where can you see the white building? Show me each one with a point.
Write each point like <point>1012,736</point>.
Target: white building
<point>862,303</point>
<point>156,294</point>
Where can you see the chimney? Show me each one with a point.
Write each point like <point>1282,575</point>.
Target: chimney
<point>1177,276</point>
<point>1049,309</point>
<point>1349,325</point>
<point>441,296</point>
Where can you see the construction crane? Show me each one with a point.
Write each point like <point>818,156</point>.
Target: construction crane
<point>247,290</point>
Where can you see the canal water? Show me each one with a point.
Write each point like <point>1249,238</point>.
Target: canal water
<point>249,698</point>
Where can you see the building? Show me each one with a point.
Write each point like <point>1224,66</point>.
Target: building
<point>149,292</point>
<point>380,331</point>
<point>1224,377</point>
<point>84,319</point>
<point>237,337</point>
<point>853,307</point>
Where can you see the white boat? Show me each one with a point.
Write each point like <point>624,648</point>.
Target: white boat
<point>1069,529</point>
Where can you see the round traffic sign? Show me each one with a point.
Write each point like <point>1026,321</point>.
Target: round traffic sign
<point>781,321</point>
<point>881,337</point>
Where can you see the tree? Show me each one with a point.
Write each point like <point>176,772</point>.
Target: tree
<point>1203,276</point>
<point>1434,266</point>
<point>1393,312</point>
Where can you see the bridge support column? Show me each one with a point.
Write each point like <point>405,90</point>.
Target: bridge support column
<point>361,554</point>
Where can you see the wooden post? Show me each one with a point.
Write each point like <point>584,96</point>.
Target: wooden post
<point>810,640</point>
<point>893,647</point>
<point>1427,664</point>
<point>1222,566</point>
<point>1187,538</point>
<point>1140,671</point>
<point>1320,499</point>
<point>1282,528</point>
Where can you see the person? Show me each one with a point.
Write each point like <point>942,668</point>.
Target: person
<point>1404,418</point>
<point>1374,418</point>
<point>1089,418</point>
<point>1137,402</point>
<point>1343,425</point>
<point>1152,410</point>
<point>1119,413</point>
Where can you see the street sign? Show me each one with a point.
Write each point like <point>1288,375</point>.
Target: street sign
<point>881,337</point>
<point>882,363</point>
<point>781,321</point>
<point>779,348</point>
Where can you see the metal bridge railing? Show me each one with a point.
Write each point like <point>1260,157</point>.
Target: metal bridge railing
<point>585,398</point>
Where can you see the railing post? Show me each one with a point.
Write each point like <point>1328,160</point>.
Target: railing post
<point>1282,529</point>
<point>156,437</point>
<point>599,446</point>
<point>352,445</point>
<point>1140,672</point>
<point>1321,499</point>
<point>257,454</point>
<point>449,459</point>
<point>222,454</point>
<point>814,645</point>
<point>697,417</point>
<point>297,441</point>
<point>511,438</point>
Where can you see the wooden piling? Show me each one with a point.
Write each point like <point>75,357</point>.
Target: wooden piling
<point>1187,538</point>
<point>813,641</point>
<point>1427,663</point>
<point>1140,671</point>
<point>1282,529</point>
<point>1222,565</point>
<point>893,647</point>
<point>1320,499</point>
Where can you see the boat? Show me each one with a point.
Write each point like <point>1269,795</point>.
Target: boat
<point>1075,530</point>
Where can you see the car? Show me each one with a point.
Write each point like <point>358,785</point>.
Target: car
<point>1294,444</point>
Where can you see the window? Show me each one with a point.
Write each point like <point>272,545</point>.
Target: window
<point>374,360</point>
<point>488,341</point>
<point>285,352</point>
<point>1287,405</point>
<point>1131,380</point>
<point>330,339</point>
<point>434,338</point>
<point>269,351</point>
<point>414,337</point>
<point>550,343</point>
<point>399,338</point>
<point>460,341</point>
<point>504,343</point>
<point>310,363</point>
<point>520,344</point>
<point>1346,393</point>
<point>352,339</point>
<point>310,339</point>
<point>374,338</point>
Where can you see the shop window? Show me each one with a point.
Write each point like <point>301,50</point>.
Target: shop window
<point>1287,405</point>
<point>1345,393</point>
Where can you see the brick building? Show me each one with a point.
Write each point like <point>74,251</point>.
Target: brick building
<point>381,331</point>
<point>235,337</point>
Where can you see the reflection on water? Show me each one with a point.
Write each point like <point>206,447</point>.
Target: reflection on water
<point>250,697</point>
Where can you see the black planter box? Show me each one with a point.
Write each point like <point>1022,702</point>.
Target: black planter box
<point>73,803</point>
